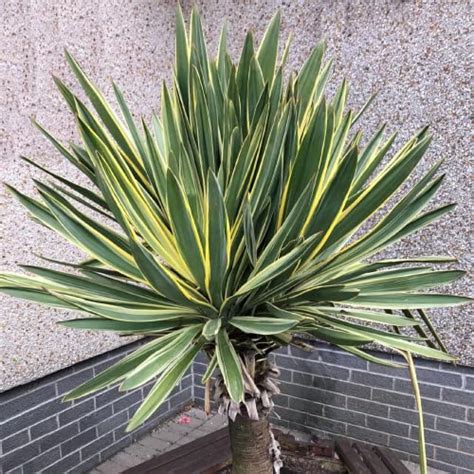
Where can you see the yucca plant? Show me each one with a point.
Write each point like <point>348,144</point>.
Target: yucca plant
<point>231,225</point>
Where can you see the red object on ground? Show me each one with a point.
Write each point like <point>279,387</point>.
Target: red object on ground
<point>184,420</point>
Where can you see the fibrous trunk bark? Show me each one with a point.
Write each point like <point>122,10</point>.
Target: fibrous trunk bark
<point>250,443</point>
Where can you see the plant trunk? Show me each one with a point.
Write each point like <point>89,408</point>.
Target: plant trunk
<point>250,443</point>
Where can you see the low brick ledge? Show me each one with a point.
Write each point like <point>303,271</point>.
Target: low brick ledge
<point>327,392</point>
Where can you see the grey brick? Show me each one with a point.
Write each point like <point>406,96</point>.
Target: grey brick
<point>364,434</point>
<point>426,390</point>
<point>20,456</point>
<point>283,350</point>
<point>199,393</point>
<point>18,470</point>
<point>201,358</point>
<point>96,446</point>
<point>366,406</point>
<point>444,409</point>
<point>286,375</point>
<point>112,423</point>
<point>320,369</point>
<point>470,383</point>
<point>447,379</point>
<point>341,359</point>
<point>73,380</point>
<point>411,417</point>
<point>120,432</point>
<point>107,396</point>
<point>186,382</point>
<point>64,464</point>
<point>180,398</point>
<point>46,426</point>
<point>78,441</point>
<point>34,416</point>
<point>466,445</point>
<point>408,446</point>
<point>470,414</point>
<point>76,412</point>
<point>445,467</point>
<point>455,427</point>
<point>388,426</point>
<point>306,406</point>
<point>27,401</point>
<point>371,380</point>
<point>308,420</point>
<point>388,371</point>
<point>343,415</point>
<point>455,458</point>
<point>95,417</point>
<point>85,465</point>
<point>393,398</point>
<point>302,378</point>
<point>340,386</point>
<point>114,448</point>
<point>313,394</point>
<point>461,397</point>
<point>281,400</point>
<point>199,369</point>
<point>126,401</point>
<point>15,441</point>
<point>286,362</point>
<point>42,461</point>
<point>57,437</point>
<point>435,437</point>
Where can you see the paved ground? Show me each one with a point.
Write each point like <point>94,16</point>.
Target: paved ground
<point>184,428</point>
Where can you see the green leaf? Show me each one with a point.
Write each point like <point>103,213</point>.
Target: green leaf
<point>249,234</point>
<point>211,367</point>
<point>163,387</point>
<point>307,78</point>
<point>216,241</point>
<point>279,266</point>
<point>211,328</point>
<point>229,365</point>
<point>262,325</point>
<point>396,283</point>
<point>102,108</point>
<point>268,50</point>
<point>185,229</point>
<point>161,359</point>
<point>97,324</point>
<point>119,370</point>
<point>407,301</point>
<point>182,55</point>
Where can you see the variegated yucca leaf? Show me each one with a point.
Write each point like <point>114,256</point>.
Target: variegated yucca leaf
<point>233,220</point>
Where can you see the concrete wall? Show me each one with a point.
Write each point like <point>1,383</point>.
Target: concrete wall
<point>414,52</point>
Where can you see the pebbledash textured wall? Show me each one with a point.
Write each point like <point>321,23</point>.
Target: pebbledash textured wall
<point>415,53</point>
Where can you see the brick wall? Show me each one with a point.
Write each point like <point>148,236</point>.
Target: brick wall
<point>331,393</point>
<point>40,433</point>
<point>327,392</point>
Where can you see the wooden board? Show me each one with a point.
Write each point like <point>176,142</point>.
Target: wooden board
<point>391,461</point>
<point>370,458</point>
<point>196,457</point>
<point>350,457</point>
